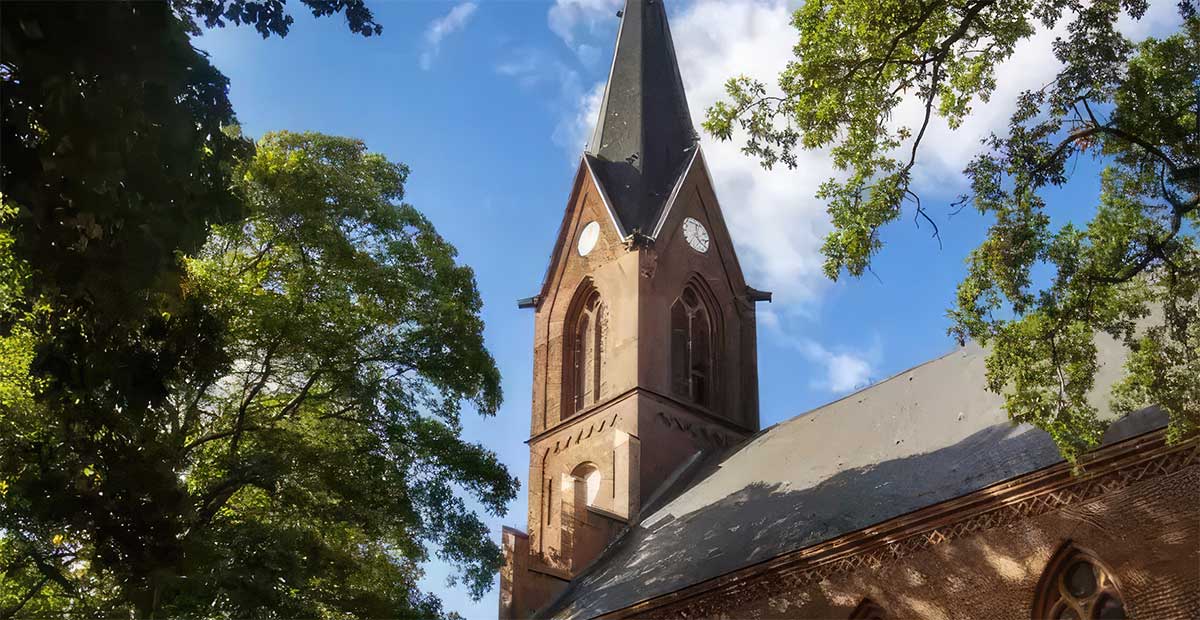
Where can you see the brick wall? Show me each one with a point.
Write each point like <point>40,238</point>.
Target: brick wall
<point>1148,534</point>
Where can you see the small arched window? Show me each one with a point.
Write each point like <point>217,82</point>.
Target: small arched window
<point>584,363</point>
<point>587,479</point>
<point>692,348</point>
<point>1076,586</point>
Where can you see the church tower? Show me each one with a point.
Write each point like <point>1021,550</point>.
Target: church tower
<point>644,331</point>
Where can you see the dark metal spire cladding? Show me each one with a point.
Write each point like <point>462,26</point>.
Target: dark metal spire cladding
<point>644,136</point>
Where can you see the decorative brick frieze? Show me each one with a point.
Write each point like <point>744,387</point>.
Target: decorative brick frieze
<point>699,432</point>
<point>585,432</point>
<point>1054,488</point>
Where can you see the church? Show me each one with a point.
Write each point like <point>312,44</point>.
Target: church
<point>654,493</point>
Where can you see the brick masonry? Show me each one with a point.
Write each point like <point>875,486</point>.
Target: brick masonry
<point>1140,518</point>
<point>638,281</point>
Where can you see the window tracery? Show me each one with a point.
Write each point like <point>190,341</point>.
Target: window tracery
<point>1076,586</point>
<point>585,350</point>
<point>692,347</point>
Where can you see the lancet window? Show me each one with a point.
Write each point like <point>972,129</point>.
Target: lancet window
<point>585,350</point>
<point>692,347</point>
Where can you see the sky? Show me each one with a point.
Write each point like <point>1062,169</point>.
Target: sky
<point>490,103</point>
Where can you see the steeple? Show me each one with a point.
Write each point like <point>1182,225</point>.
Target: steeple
<point>635,344</point>
<point>644,136</point>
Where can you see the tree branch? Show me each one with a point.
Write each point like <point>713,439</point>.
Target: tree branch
<point>19,605</point>
<point>248,398</point>
<point>217,435</point>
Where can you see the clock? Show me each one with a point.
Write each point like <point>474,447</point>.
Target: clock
<point>588,238</point>
<point>695,234</point>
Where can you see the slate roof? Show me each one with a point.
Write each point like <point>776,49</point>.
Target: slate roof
<point>924,436</point>
<point>644,136</point>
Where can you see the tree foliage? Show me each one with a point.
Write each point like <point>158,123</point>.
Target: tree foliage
<point>270,17</point>
<point>1132,271</point>
<point>230,378</point>
<point>307,475</point>
<point>113,153</point>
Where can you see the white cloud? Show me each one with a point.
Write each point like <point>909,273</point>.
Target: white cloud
<point>580,22</point>
<point>844,369</point>
<point>776,222</point>
<point>574,132</point>
<point>443,27</point>
<point>530,67</point>
<point>774,217</point>
<point>575,107</point>
<point>1161,19</point>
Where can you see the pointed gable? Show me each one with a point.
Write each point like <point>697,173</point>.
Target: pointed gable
<point>644,137</point>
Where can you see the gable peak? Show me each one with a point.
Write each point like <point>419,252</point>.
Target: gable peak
<point>644,137</point>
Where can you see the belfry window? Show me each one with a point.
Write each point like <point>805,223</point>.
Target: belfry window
<point>584,363</point>
<point>1075,586</point>
<point>692,348</point>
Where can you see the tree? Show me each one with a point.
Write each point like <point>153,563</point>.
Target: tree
<point>113,160</point>
<point>113,153</point>
<point>115,165</point>
<point>270,16</point>
<point>308,475</point>
<point>1132,271</point>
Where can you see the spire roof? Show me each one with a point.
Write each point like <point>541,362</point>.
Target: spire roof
<point>644,137</point>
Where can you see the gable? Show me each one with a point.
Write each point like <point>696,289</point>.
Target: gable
<point>587,203</point>
<point>694,196</point>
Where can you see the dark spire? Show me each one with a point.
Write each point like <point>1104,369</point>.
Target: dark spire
<point>644,136</point>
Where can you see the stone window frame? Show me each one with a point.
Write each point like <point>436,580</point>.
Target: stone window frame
<point>587,474</point>
<point>1054,598</point>
<point>695,383</point>
<point>585,336</point>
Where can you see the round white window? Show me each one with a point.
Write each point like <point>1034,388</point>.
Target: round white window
<point>695,234</point>
<point>588,238</point>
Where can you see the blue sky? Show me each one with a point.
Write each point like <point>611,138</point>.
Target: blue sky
<point>490,103</point>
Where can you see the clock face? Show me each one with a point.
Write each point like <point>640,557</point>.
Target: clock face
<point>588,238</point>
<point>695,234</point>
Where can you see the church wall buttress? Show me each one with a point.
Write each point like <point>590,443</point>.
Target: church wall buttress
<point>606,442</point>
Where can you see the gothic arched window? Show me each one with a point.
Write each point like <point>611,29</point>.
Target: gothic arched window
<point>1076,586</point>
<point>692,347</point>
<point>584,360</point>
